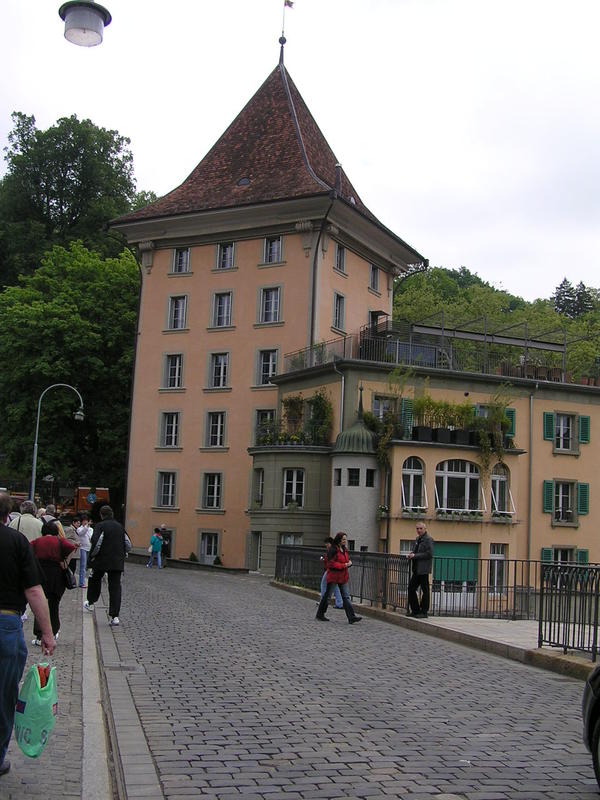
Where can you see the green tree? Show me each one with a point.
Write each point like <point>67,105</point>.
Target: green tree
<point>584,301</point>
<point>564,299</point>
<point>61,184</point>
<point>73,321</point>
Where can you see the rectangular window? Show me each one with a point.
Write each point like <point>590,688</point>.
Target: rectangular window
<point>370,478</point>
<point>166,489</point>
<point>216,429</point>
<point>374,280</point>
<point>181,260</point>
<point>564,501</point>
<point>265,426</point>
<point>382,405</point>
<point>212,490</point>
<point>497,569</point>
<point>222,310</point>
<point>225,255</point>
<point>267,366</point>
<point>170,429</point>
<point>174,371</point>
<point>340,257</point>
<point>177,312</point>
<point>353,476</point>
<point>209,547</point>
<point>273,249</point>
<point>566,431</point>
<point>269,305</point>
<point>337,477</point>
<point>339,311</point>
<point>293,487</point>
<point>563,434</point>
<point>219,370</point>
<point>294,539</point>
<point>259,485</point>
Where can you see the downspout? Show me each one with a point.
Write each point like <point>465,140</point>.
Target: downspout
<point>313,298</point>
<point>530,476</point>
<point>335,369</point>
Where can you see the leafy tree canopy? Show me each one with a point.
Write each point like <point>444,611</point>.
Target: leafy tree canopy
<point>72,321</point>
<point>61,184</point>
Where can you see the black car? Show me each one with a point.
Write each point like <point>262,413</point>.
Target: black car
<point>590,709</point>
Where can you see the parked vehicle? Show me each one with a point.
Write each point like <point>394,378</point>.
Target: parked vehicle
<point>590,709</point>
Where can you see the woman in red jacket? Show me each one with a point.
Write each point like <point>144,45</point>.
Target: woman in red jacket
<point>338,562</point>
<point>50,550</point>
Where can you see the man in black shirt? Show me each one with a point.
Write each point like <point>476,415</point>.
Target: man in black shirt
<point>19,584</point>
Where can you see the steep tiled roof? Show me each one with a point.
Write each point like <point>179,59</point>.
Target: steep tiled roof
<point>273,150</point>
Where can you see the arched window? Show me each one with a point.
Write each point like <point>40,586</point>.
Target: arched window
<point>414,493</point>
<point>502,502</point>
<point>457,486</point>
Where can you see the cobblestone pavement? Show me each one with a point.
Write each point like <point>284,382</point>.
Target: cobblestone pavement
<point>245,695</point>
<point>57,772</point>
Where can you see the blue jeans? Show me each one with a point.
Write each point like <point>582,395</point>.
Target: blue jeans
<point>348,608</point>
<point>13,655</point>
<point>158,559</point>
<point>337,593</point>
<point>83,557</point>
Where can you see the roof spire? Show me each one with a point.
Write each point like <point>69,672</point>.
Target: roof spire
<point>282,39</point>
<point>360,403</point>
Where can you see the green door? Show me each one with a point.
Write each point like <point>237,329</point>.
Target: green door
<point>455,561</point>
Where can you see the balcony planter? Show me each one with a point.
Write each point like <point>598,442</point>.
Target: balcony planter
<point>422,433</point>
<point>442,435</point>
<point>461,436</point>
<point>383,512</point>
<point>502,516</point>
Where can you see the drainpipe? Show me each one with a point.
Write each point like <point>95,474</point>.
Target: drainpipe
<point>529,510</point>
<point>342,400</point>
<point>313,299</point>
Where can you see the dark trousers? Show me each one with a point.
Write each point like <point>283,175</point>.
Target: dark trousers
<point>114,589</point>
<point>415,582</point>
<point>53,606</point>
<point>348,607</point>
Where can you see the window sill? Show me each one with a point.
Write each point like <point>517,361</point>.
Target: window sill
<point>216,511</point>
<point>502,519</point>
<point>166,509</point>
<point>458,516</point>
<point>212,328</point>
<point>340,272</point>
<point>167,449</point>
<point>277,324</point>
<point>557,523</point>
<point>219,449</point>
<point>410,514</point>
<point>179,274</point>
<point>341,331</point>
<point>172,389</point>
<point>557,451</point>
<point>266,264</point>
<point>216,389</point>
<point>376,292</point>
<point>176,330</point>
<point>262,386</point>
<point>224,269</point>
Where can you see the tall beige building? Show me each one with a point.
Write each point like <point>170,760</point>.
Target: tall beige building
<point>265,249</point>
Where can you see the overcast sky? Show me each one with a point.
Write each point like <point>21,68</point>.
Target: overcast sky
<point>471,128</point>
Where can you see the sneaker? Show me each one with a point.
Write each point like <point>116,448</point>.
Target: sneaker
<point>88,606</point>
<point>36,642</point>
<point>114,621</point>
<point>24,617</point>
<point>56,635</point>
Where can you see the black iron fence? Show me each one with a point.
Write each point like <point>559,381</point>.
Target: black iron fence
<point>569,606</point>
<point>461,587</point>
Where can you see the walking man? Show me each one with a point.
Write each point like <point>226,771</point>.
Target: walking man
<point>422,561</point>
<point>109,558</point>
<point>19,584</point>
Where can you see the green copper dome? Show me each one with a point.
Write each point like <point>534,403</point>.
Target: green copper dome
<point>357,439</point>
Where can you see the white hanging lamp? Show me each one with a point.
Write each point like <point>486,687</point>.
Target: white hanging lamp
<point>84,21</point>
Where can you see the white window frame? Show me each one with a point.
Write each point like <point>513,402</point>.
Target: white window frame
<point>374,278</point>
<point>173,371</point>
<point>382,404</point>
<point>225,255</point>
<point>294,478</point>
<point>170,428</point>
<point>564,505</point>
<point>445,473</point>
<point>339,311</point>
<point>219,370</point>
<point>273,250</point>
<point>209,546</point>
<point>181,260</point>
<point>215,428</point>
<point>177,312</point>
<point>408,503</point>
<point>497,570</point>
<point>270,304</point>
<point>291,539</point>
<point>259,486</point>
<point>259,420</point>
<point>212,491</point>
<point>222,309</point>
<point>340,258</point>
<point>565,426</point>
<point>273,357</point>
<point>166,494</point>
<point>496,479</point>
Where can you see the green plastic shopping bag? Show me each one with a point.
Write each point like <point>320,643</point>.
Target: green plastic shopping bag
<point>37,707</point>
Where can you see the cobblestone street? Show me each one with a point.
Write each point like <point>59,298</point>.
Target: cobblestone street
<point>245,695</point>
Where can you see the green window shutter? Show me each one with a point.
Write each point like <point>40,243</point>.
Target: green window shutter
<point>406,416</point>
<point>583,556</point>
<point>584,429</point>
<point>547,554</point>
<point>549,426</point>
<point>511,414</point>
<point>548,497</point>
<point>583,498</point>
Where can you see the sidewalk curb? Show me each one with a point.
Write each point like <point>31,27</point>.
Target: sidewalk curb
<point>573,666</point>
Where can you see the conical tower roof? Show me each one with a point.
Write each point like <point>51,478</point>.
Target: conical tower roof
<point>358,439</point>
<point>273,150</point>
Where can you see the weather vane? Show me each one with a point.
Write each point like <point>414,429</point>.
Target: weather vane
<point>282,40</point>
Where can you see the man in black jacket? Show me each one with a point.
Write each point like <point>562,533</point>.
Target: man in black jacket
<point>109,558</point>
<point>422,561</point>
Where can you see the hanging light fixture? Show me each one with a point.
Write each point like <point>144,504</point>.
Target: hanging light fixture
<point>84,21</point>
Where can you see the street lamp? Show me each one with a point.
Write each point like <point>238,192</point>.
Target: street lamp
<point>78,415</point>
<point>84,21</point>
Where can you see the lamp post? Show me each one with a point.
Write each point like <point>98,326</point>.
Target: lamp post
<point>78,415</point>
<point>84,21</point>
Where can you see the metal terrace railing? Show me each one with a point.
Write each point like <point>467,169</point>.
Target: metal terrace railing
<point>461,587</point>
